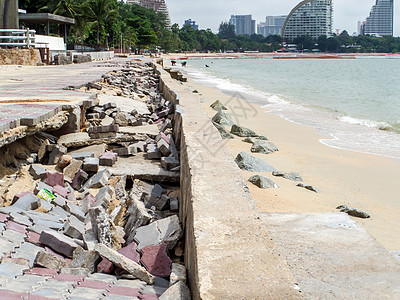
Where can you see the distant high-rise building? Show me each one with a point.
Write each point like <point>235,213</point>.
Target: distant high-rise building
<point>311,18</point>
<point>244,24</point>
<point>273,25</point>
<point>380,20</point>
<point>192,23</point>
<point>157,5</point>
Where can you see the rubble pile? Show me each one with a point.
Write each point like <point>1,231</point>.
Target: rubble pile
<point>102,219</point>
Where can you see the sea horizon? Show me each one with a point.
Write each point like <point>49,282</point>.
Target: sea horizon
<point>352,104</point>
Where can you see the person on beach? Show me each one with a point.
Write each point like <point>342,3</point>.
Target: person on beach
<point>173,62</point>
<point>184,64</point>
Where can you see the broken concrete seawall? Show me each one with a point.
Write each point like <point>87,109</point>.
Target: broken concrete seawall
<point>229,254</point>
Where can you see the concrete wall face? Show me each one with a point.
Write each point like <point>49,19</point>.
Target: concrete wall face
<point>8,14</point>
<point>228,252</point>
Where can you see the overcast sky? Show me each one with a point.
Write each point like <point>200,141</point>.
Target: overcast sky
<point>210,13</point>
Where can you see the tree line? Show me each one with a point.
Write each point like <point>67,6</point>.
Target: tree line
<point>109,23</point>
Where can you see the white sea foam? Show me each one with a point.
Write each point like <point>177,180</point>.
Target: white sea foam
<point>366,123</point>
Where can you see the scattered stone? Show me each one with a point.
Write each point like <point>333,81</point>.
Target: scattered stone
<point>55,178</point>
<point>58,242</point>
<point>27,202</point>
<point>217,105</point>
<point>156,260</point>
<point>223,132</point>
<point>174,204</point>
<point>125,263</point>
<point>55,155</point>
<point>263,182</point>
<point>80,177</point>
<point>99,180</point>
<point>355,212</point>
<point>249,140</point>
<point>68,140</point>
<point>261,137</point>
<point>37,172</point>
<point>308,187</point>
<point>74,228</point>
<point>84,259</point>
<point>91,164</point>
<point>178,273</point>
<point>248,162</point>
<point>178,291</point>
<point>294,176</point>
<point>138,216</point>
<point>101,226</point>
<point>82,155</point>
<point>166,230</point>
<point>64,161</point>
<point>264,147</point>
<point>108,159</point>
<point>47,260</point>
<point>223,118</point>
<point>169,163</point>
<point>243,131</point>
<point>60,190</point>
<point>42,151</point>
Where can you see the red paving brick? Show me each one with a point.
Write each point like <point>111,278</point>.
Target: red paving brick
<point>55,178</point>
<point>33,238</point>
<point>69,278</point>
<point>156,260</point>
<point>3,218</point>
<point>37,297</point>
<point>124,291</point>
<point>149,296</point>
<point>105,266</point>
<point>42,272</point>
<point>11,225</point>
<point>9,295</point>
<point>93,284</point>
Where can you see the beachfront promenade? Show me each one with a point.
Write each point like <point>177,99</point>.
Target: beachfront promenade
<point>232,250</point>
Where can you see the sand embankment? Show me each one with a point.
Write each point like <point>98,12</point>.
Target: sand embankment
<point>359,180</point>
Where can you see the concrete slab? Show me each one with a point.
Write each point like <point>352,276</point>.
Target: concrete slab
<point>125,104</point>
<point>333,257</point>
<point>151,130</point>
<point>139,168</point>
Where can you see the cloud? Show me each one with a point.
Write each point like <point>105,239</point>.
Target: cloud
<point>210,13</point>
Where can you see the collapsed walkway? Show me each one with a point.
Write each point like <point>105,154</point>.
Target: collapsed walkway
<point>232,251</point>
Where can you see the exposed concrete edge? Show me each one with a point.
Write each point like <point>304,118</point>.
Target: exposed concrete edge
<point>228,252</point>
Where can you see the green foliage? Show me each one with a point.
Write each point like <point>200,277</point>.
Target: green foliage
<point>226,31</point>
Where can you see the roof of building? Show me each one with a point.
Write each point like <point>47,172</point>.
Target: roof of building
<point>42,18</point>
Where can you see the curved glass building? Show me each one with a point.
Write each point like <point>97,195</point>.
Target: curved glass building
<point>380,20</point>
<point>312,18</point>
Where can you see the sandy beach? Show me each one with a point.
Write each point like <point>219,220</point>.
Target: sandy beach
<point>359,180</point>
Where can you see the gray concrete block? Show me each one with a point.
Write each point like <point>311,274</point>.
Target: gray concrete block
<point>28,202</point>
<point>47,260</point>
<point>91,164</point>
<point>37,172</point>
<point>74,228</point>
<point>58,242</point>
<point>178,291</point>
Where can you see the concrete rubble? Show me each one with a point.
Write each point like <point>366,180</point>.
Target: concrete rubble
<point>88,227</point>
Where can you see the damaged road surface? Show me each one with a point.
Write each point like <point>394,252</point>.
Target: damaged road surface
<point>94,214</point>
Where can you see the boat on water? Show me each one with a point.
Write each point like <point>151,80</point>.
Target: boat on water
<point>316,57</point>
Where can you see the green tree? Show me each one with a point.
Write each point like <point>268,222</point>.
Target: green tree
<point>304,42</point>
<point>226,31</point>
<point>98,13</point>
<point>66,8</point>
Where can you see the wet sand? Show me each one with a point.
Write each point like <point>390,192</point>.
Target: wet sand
<point>363,181</point>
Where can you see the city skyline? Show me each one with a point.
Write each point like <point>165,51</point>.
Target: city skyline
<point>209,14</point>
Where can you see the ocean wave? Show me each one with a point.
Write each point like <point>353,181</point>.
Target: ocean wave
<point>367,123</point>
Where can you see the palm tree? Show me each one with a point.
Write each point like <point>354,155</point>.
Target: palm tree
<point>98,13</point>
<point>66,8</point>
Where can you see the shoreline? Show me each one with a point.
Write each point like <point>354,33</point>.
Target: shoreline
<point>360,180</point>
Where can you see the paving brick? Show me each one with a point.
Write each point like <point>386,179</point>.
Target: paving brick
<point>93,284</point>
<point>80,177</point>
<point>40,186</point>
<point>74,228</point>
<point>91,164</point>
<point>37,172</point>
<point>71,170</point>
<point>100,179</point>
<point>11,295</point>
<point>119,297</point>
<point>61,190</point>
<point>82,293</point>
<point>19,195</point>
<point>156,260</point>
<point>153,152</point>
<point>33,238</point>
<point>103,277</point>
<point>3,217</point>
<point>55,178</point>
<point>27,251</point>
<point>11,225</point>
<point>129,251</point>
<point>41,272</point>
<point>82,155</point>
<point>75,210</point>
<point>69,278</point>
<point>60,212</point>
<point>108,159</point>
<point>58,242</point>
<point>103,129</point>
<point>169,163</point>
<point>27,202</point>
<point>20,219</point>
<point>124,291</point>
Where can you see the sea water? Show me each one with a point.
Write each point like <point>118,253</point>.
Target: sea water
<point>353,102</point>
